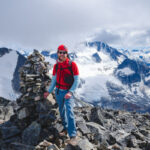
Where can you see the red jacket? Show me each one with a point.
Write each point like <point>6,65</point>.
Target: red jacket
<point>64,74</point>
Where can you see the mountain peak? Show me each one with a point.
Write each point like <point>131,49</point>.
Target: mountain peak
<point>100,46</point>
<point>4,50</point>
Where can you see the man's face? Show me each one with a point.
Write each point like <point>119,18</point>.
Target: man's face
<point>62,55</point>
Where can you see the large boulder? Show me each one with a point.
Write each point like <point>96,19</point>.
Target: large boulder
<point>30,135</point>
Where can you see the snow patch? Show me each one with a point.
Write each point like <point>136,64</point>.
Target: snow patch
<point>126,71</point>
<point>147,78</point>
<point>7,66</point>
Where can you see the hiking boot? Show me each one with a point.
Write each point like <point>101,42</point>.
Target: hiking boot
<point>63,133</point>
<point>73,141</point>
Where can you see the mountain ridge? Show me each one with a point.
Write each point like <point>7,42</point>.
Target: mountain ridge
<point>10,62</point>
<point>120,82</point>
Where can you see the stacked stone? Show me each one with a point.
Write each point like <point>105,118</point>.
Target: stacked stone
<point>33,81</point>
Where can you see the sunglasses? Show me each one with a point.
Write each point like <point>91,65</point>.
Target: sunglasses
<point>62,52</point>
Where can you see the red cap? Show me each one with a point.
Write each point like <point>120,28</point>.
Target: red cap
<point>62,48</point>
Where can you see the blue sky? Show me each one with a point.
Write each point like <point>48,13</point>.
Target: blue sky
<point>44,24</point>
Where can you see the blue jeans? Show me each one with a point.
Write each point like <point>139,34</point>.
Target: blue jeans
<point>66,112</point>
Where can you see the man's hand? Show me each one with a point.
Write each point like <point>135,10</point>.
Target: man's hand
<point>68,95</point>
<point>46,94</point>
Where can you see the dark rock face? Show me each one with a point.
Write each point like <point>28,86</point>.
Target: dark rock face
<point>137,67</point>
<point>96,115</point>
<point>8,132</point>
<point>19,146</point>
<point>16,80</point>
<point>54,56</point>
<point>72,56</point>
<point>45,53</point>
<point>3,51</point>
<point>28,137</point>
<point>36,123</point>
<point>96,57</point>
<point>114,53</point>
<point>3,101</point>
<point>20,62</point>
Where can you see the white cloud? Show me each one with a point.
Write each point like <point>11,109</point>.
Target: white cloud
<point>127,38</point>
<point>48,23</point>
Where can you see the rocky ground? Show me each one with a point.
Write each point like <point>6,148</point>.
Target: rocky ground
<point>33,123</point>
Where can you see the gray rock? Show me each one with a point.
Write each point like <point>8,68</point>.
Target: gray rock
<point>108,115</point>
<point>20,146</point>
<point>120,136</point>
<point>37,98</point>
<point>43,145</point>
<point>41,107</point>
<point>95,128</point>
<point>11,140</point>
<point>99,138</point>
<point>82,127</point>
<point>36,89</point>
<point>3,101</point>
<point>29,79</point>
<point>97,131</point>
<point>23,113</point>
<point>59,127</point>
<point>115,147</point>
<point>46,120</point>
<point>30,135</point>
<point>83,144</point>
<point>97,116</point>
<point>144,145</point>
<point>8,132</point>
<point>145,132</point>
<point>128,127</point>
<point>138,135</point>
<point>6,112</point>
<point>110,138</point>
<point>32,76</point>
<point>131,141</point>
<point>52,147</point>
<point>103,146</point>
<point>127,148</point>
<point>147,146</point>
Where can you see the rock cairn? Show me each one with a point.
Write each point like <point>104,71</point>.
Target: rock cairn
<point>34,77</point>
<point>33,80</point>
<point>36,123</point>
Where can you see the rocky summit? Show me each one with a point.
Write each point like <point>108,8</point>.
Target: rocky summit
<point>33,123</point>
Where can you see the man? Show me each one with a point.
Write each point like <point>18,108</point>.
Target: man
<point>65,78</point>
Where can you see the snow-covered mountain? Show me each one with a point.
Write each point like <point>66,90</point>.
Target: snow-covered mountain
<point>138,54</point>
<point>10,62</point>
<point>112,78</point>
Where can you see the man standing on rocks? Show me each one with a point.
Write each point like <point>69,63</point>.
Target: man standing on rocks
<point>65,78</point>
